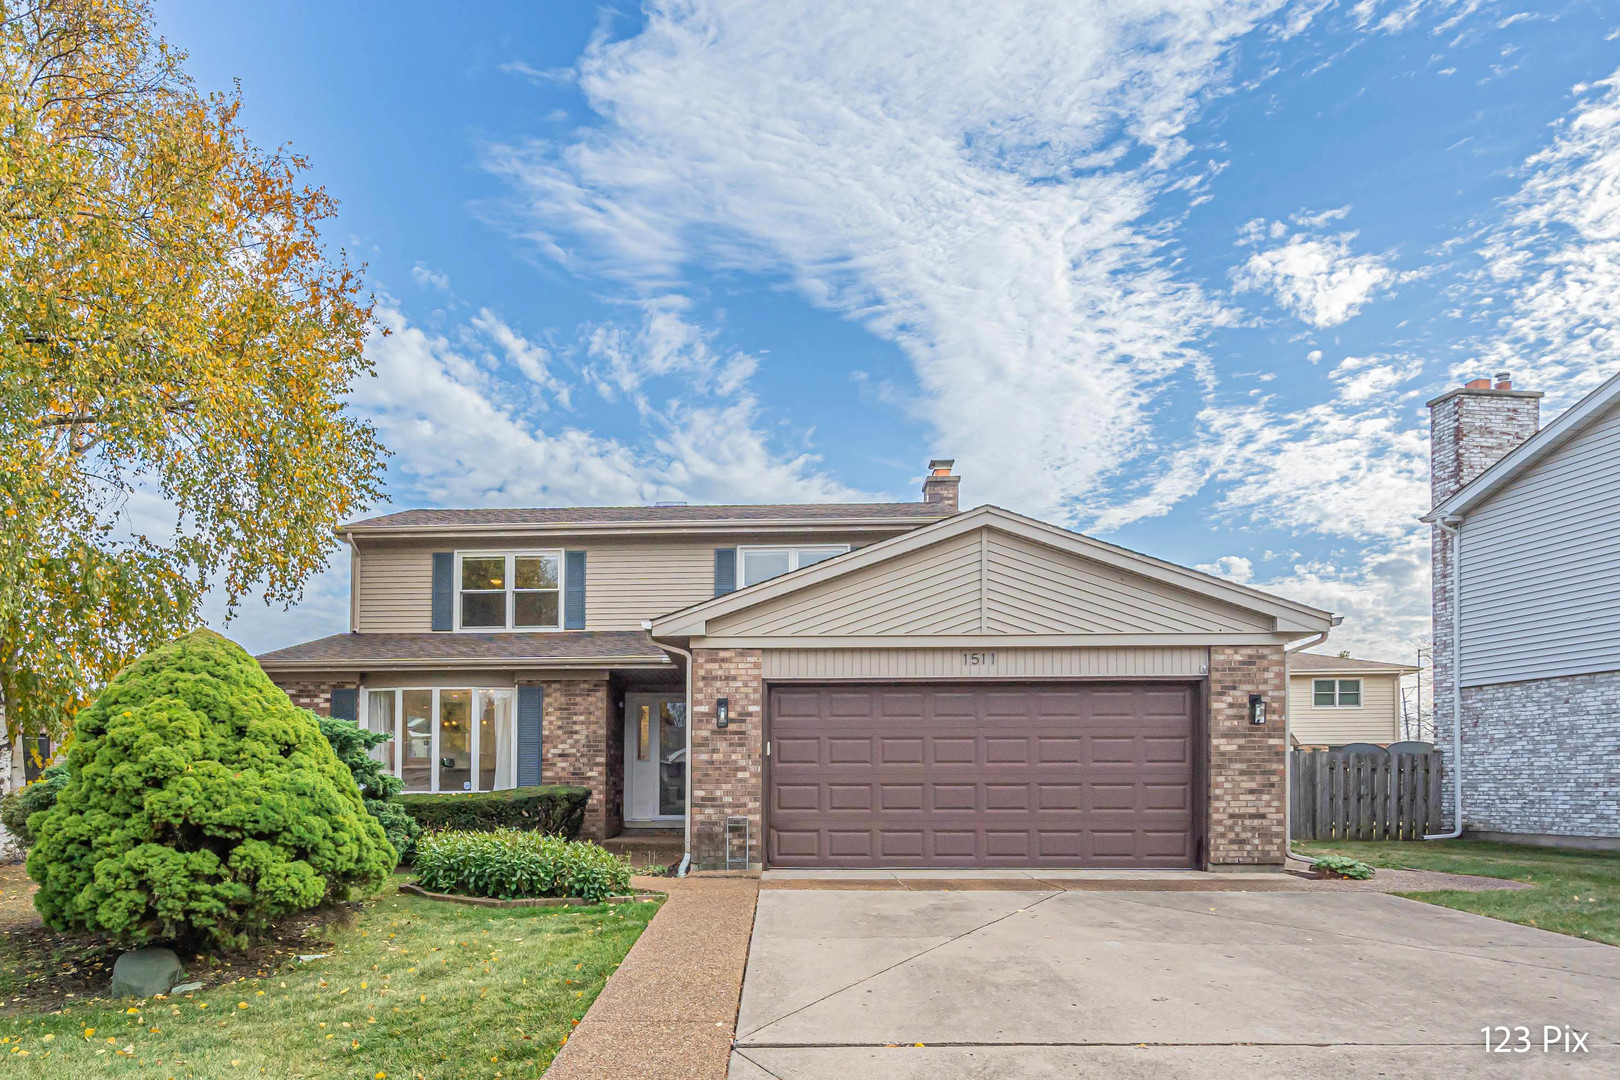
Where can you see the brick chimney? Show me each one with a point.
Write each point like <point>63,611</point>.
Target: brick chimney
<point>940,486</point>
<point>1473,427</point>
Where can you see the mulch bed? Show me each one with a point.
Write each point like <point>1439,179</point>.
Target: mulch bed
<point>42,970</point>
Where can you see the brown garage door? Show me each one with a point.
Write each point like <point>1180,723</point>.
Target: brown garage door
<point>1056,775</point>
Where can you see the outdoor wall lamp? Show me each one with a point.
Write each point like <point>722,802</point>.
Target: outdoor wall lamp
<point>722,712</point>
<point>1257,709</point>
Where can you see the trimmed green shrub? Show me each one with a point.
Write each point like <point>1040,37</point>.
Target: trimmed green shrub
<point>352,744</point>
<point>557,810</point>
<point>512,864</point>
<point>25,802</point>
<point>1342,866</point>
<point>200,806</point>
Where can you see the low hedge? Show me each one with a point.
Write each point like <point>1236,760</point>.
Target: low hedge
<point>514,864</point>
<point>552,809</point>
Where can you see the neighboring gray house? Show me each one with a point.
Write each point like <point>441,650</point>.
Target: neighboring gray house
<point>1527,634</point>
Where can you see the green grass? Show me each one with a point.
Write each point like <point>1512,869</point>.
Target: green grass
<point>1576,892</point>
<point>414,988</point>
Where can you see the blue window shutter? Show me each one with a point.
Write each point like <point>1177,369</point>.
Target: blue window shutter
<point>725,571</point>
<point>444,590</point>
<point>528,735</point>
<point>574,590</point>
<point>346,703</point>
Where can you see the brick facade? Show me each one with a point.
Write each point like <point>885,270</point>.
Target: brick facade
<point>1247,762</point>
<point>1514,732</point>
<point>576,725</point>
<point>1470,430</point>
<point>313,695</point>
<point>727,775</point>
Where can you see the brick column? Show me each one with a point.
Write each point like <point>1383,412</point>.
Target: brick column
<point>575,723</point>
<point>1247,762</point>
<point>727,764</point>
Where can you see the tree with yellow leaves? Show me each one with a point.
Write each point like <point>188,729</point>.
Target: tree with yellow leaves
<point>175,350</point>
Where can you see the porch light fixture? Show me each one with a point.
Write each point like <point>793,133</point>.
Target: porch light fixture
<point>1257,709</point>
<point>722,712</point>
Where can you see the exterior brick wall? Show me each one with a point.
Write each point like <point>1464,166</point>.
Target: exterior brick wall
<point>1469,431</point>
<point>316,696</point>
<point>1247,762</point>
<point>1543,757</point>
<point>727,764</point>
<point>575,734</point>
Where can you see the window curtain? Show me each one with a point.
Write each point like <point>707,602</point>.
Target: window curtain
<point>505,743</point>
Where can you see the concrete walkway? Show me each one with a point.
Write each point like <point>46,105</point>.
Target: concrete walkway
<point>669,1012</point>
<point>1024,984</point>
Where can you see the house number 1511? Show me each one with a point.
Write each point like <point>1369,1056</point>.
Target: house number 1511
<point>979,659</point>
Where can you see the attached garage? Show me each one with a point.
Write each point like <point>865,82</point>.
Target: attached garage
<point>989,691</point>
<point>959,775</point>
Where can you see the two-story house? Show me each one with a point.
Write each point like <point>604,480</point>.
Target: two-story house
<point>853,685</point>
<point>1526,531</point>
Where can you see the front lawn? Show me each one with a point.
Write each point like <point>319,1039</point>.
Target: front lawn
<point>1576,892</point>
<point>412,988</point>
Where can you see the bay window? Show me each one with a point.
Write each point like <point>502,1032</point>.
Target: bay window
<point>449,739</point>
<point>763,563</point>
<point>511,590</point>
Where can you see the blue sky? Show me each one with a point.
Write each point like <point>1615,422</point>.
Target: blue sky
<point>1177,274</point>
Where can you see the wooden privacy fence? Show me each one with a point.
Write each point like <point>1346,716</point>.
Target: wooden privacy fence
<point>1364,795</point>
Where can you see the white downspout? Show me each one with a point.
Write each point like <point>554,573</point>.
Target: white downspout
<point>1456,680</point>
<point>1288,746</point>
<point>686,823</point>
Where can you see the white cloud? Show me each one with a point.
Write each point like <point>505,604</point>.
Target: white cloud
<point>988,211</point>
<point>534,361</point>
<point>1232,567</point>
<point>1315,278</point>
<point>1553,264</point>
<point>427,277</point>
<point>460,442</point>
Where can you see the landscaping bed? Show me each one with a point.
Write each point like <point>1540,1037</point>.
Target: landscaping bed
<point>1575,892</point>
<point>411,987</point>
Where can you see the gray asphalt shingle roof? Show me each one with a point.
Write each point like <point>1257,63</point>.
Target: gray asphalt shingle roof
<point>1305,661</point>
<point>584,645</point>
<point>589,515</point>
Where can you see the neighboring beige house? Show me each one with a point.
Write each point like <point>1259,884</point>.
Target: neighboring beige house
<point>1335,700</point>
<point>849,685</point>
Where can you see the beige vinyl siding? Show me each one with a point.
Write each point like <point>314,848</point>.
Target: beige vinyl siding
<point>1377,720</point>
<point>626,581</point>
<point>1541,567</point>
<point>396,591</point>
<point>992,583</point>
<point>993,663</point>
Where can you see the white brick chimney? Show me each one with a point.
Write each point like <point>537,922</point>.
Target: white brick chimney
<point>1471,428</point>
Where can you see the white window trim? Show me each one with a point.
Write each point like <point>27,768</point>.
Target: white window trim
<point>1361,693</point>
<point>511,593</point>
<point>397,769</point>
<point>793,551</point>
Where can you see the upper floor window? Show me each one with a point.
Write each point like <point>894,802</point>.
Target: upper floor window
<point>1336,692</point>
<point>763,563</point>
<point>514,590</point>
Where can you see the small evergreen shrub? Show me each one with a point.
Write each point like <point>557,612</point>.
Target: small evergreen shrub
<point>511,864</point>
<point>25,802</point>
<point>352,744</point>
<point>1342,866</point>
<point>200,806</point>
<point>556,810</point>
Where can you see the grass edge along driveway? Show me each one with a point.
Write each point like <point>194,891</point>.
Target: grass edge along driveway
<point>414,988</point>
<point>1576,892</point>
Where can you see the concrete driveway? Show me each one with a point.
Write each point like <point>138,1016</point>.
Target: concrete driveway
<point>1154,984</point>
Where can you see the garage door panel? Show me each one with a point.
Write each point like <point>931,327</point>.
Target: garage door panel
<point>1004,775</point>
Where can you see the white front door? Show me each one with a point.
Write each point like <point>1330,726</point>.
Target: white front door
<point>654,759</point>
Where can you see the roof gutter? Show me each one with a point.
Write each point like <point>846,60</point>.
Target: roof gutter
<point>497,663</point>
<point>641,528</point>
<point>1452,524</point>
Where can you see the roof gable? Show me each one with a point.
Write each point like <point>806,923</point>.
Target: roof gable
<point>993,573</point>
<point>1591,409</point>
